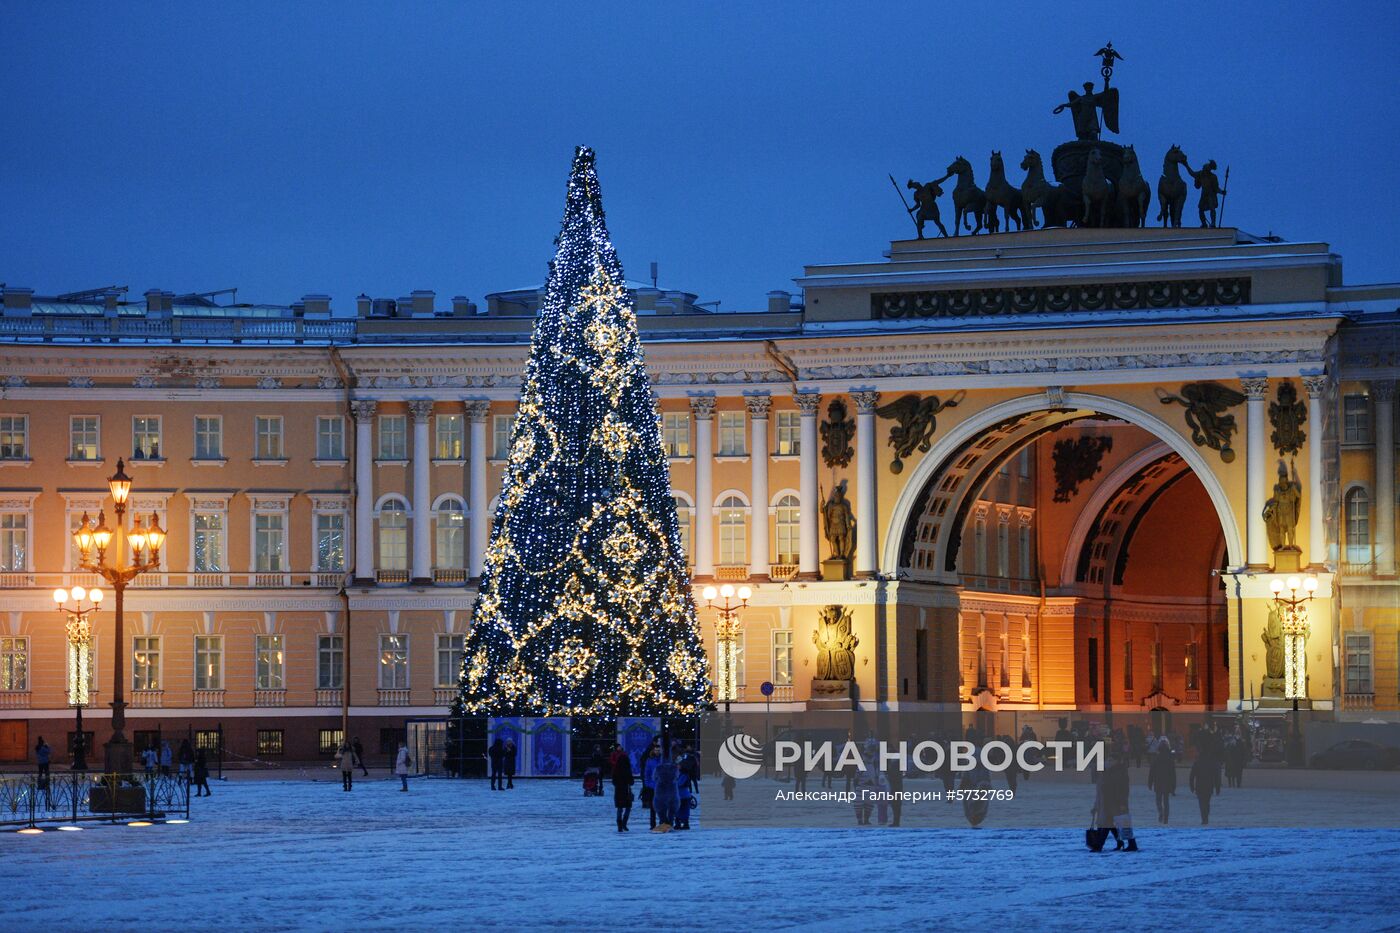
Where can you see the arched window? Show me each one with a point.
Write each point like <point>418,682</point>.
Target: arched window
<point>1358,517</point>
<point>393,536</point>
<point>683,517</point>
<point>787,530</point>
<point>451,535</point>
<point>733,541</point>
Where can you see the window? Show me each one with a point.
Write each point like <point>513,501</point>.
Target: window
<point>209,662</point>
<point>1358,673</point>
<point>782,657</point>
<point>733,543</point>
<point>1192,683</point>
<point>330,662</point>
<point>731,434</point>
<point>145,662</point>
<point>1023,551</point>
<point>208,437</point>
<point>84,435</point>
<point>330,438</point>
<point>451,533</point>
<point>788,528</point>
<point>1356,419</point>
<point>1003,549</point>
<point>269,542</point>
<point>1128,667</point>
<point>328,741</point>
<point>393,437</point>
<point>330,542</point>
<point>208,542</point>
<point>211,741</point>
<point>675,434</point>
<point>449,658</point>
<point>14,437</point>
<point>1358,518</point>
<point>145,438</point>
<point>14,542</point>
<point>393,536</point>
<point>789,434</point>
<point>267,431</point>
<point>270,666</point>
<point>1093,668</point>
<point>683,520</point>
<point>979,550</point>
<point>270,743</point>
<point>14,664</point>
<point>1156,667</point>
<point>1023,462</point>
<point>500,436</point>
<point>451,437</point>
<point>393,662</point>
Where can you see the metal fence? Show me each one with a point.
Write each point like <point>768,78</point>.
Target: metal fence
<point>31,798</point>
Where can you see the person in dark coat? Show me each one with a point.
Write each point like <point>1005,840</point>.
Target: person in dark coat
<point>665,795</point>
<point>43,755</point>
<point>622,790</point>
<point>186,759</point>
<point>510,764</point>
<point>650,759</point>
<point>1161,778</point>
<point>359,751</point>
<point>1235,757</point>
<point>1111,802</point>
<point>201,775</point>
<point>497,754</point>
<point>1205,783</point>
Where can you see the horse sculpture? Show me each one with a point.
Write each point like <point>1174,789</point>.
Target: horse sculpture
<point>1171,188</point>
<point>1000,194</point>
<point>1134,195</point>
<point>1039,194</point>
<point>1097,190</point>
<point>968,199</point>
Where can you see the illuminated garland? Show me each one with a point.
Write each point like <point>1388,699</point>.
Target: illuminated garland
<point>585,606</point>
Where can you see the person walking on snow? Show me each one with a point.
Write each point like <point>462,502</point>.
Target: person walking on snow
<point>43,755</point>
<point>510,764</point>
<point>1111,802</point>
<point>622,790</point>
<point>401,765</point>
<point>1161,779</point>
<point>186,759</point>
<point>359,751</point>
<point>665,796</point>
<point>347,766</point>
<point>650,759</point>
<point>167,758</point>
<point>1204,783</point>
<point>201,775</point>
<point>497,756</point>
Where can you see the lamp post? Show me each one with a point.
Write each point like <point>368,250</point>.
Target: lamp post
<point>79,631</point>
<point>95,545</point>
<point>1293,615</point>
<point>727,630</point>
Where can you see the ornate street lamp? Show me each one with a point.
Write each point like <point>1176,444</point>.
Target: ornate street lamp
<point>1291,598</point>
<point>727,631</point>
<point>95,546</point>
<point>79,631</point>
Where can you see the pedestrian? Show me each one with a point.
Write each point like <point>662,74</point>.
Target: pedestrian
<point>201,775</point>
<point>149,759</point>
<point>348,761</point>
<point>401,766</point>
<point>1026,757</point>
<point>728,784</point>
<point>186,759</point>
<point>496,754</point>
<point>1161,778</point>
<point>510,764</point>
<point>665,796</point>
<point>43,754</point>
<point>1235,757</point>
<point>167,758</point>
<point>685,791</point>
<point>894,777</point>
<point>650,759</point>
<point>1013,770</point>
<point>359,751</point>
<point>1111,802</point>
<point>1137,744</point>
<point>622,790</point>
<point>1204,783</point>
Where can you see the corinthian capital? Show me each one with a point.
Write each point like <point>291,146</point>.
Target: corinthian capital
<point>808,403</point>
<point>866,400</point>
<point>476,409</point>
<point>363,408</point>
<point>758,405</point>
<point>1255,389</point>
<point>421,408</point>
<point>702,406</point>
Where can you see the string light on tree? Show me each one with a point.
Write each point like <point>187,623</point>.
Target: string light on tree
<point>585,607</point>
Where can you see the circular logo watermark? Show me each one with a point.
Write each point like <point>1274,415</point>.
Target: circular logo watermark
<point>741,756</point>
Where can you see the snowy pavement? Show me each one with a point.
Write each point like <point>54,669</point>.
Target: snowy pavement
<point>303,855</point>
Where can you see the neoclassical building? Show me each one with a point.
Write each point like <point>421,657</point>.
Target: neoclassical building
<point>1058,447</point>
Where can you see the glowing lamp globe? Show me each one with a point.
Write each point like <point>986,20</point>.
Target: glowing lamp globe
<point>726,591</point>
<point>79,594</point>
<point>96,596</point>
<point>120,485</point>
<point>60,596</point>
<point>710,594</point>
<point>745,593</point>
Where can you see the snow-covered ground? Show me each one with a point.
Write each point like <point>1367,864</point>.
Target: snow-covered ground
<point>301,854</point>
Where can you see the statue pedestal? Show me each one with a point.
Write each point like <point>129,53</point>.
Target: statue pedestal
<point>1271,689</point>
<point>831,694</point>
<point>838,569</point>
<point>1288,559</point>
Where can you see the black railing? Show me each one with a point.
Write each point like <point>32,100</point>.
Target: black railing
<point>30,798</point>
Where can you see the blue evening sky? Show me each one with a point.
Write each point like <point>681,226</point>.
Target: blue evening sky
<point>289,148</point>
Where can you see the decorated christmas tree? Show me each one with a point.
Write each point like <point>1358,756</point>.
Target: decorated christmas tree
<point>585,606</point>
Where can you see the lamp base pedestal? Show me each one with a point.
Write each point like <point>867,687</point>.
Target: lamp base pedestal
<point>119,756</point>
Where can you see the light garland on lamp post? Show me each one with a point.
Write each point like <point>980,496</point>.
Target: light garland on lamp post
<point>727,631</point>
<point>1291,598</point>
<point>95,544</point>
<point>78,628</point>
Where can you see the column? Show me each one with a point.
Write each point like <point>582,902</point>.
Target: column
<point>808,529</point>
<point>703,408</point>
<point>363,411</point>
<point>1383,397</point>
<point>758,406</point>
<point>1257,472</point>
<point>480,526</point>
<point>866,512</point>
<point>1317,544</point>
<point>422,563</point>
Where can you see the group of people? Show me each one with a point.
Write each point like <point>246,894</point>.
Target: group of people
<point>670,785</point>
<point>193,764</point>
<point>351,756</point>
<point>502,757</point>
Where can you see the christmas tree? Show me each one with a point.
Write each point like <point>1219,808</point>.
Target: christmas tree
<point>585,607</point>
